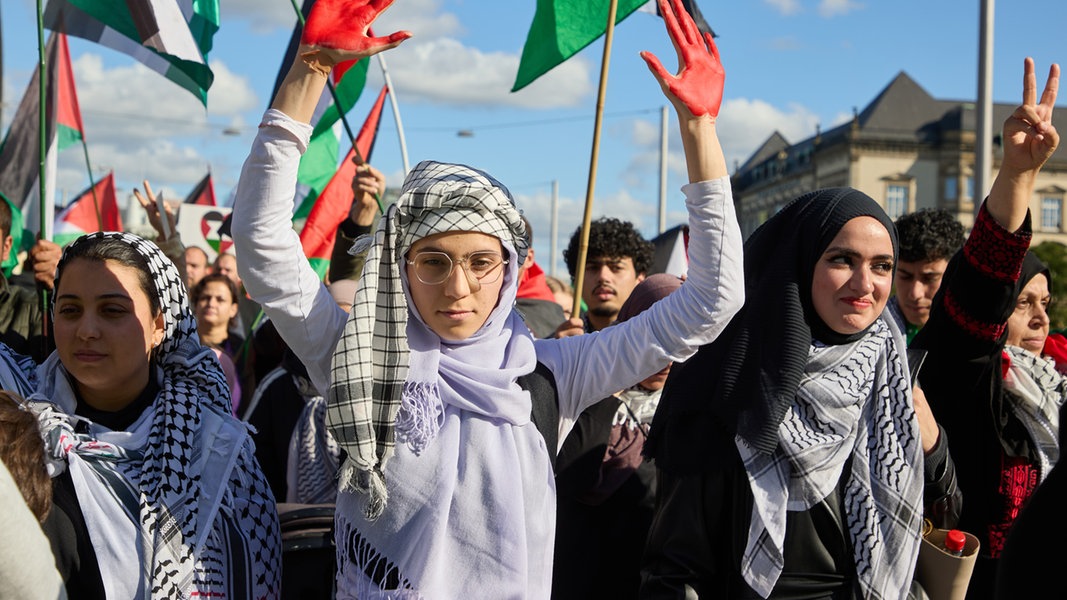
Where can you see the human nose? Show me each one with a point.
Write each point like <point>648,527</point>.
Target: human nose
<point>87,328</point>
<point>862,281</point>
<point>460,283</point>
<point>1040,315</point>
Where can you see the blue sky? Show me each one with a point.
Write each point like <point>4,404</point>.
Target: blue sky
<point>790,65</point>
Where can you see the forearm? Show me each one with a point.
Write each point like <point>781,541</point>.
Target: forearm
<point>302,87</point>
<point>1009,198</point>
<point>704,157</point>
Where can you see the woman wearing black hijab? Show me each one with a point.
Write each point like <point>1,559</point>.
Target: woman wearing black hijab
<point>799,474</point>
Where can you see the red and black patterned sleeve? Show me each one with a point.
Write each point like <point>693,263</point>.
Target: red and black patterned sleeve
<point>980,295</point>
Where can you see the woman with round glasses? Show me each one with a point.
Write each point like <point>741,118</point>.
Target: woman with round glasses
<point>447,490</point>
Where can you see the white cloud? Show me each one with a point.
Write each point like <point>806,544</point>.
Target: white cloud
<point>745,124</point>
<point>833,8</point>
<point>423,18</point>
<point>785,7</point>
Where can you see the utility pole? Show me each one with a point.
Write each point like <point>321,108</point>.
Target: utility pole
<point>983,138</point>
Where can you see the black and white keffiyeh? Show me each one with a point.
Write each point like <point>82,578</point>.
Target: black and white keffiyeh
<point>370,373</point>
<point>853,402</point>
<point>180,487</point>
<point>1034,391</point>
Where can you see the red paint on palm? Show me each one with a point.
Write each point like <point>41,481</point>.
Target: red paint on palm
<point>344,25</point>
<point>699,84</point>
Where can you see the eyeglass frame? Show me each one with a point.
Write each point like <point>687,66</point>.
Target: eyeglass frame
<point>472,280</point>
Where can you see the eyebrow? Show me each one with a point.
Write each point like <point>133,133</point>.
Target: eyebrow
<point>110,296</point>
<point>442,251</point>
<point>850,252</point>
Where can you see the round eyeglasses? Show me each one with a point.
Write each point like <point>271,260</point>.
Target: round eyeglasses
<point>434,268</point>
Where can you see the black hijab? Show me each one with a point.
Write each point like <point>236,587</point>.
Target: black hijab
<point>754,368</point>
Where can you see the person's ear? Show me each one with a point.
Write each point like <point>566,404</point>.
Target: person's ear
<point>158,330</point>
<point>5,250</point>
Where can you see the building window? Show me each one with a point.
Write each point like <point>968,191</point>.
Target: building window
<point>896,200</point>
<point>969,192</point>
<point>951,188</point>
<point>1051,213</point>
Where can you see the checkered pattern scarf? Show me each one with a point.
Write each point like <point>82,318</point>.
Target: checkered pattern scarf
<point>1034,391</point>
<point>370,372</point>
<point>854,400</point>
<point>205,530</point>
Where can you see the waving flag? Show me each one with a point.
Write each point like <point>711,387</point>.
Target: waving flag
<point>171,37</point>
<point>95,209</point>
<point>560,29</point>
<point>19,155</point>
<point>333,204</point>
<point>203,194</point>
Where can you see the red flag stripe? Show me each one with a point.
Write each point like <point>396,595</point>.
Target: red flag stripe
<point>68,113</point>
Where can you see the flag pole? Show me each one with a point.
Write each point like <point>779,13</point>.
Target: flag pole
<point>583,243</point>
<point>337,103</point>
<point>45,229</point>
<point>396,112</point>
<point>92,186</point>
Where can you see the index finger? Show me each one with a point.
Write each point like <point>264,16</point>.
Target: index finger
<point>141,199</point>
<point>1029,82</point>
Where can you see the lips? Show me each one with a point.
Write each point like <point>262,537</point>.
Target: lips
<point>858,303</point>
<point>89,356</point>
<point>455,315</point>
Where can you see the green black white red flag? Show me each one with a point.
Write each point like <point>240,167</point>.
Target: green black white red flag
<point>171,37</point>
<point>95,209</point>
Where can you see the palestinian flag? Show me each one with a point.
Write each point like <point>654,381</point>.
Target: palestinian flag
<point>203,194</point>
<point>317,235</point>
<point>560,29</point>
<point>171,37</point>
<point>95,209</point>
<point>19,155</point>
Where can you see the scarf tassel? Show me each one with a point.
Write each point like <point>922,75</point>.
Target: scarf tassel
<point>420,416</point>
<point>368,482</point>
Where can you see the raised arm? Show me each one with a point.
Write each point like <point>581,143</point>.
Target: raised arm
<point>695,91</point>
<point>1029,140</point>
<point>272,262</point>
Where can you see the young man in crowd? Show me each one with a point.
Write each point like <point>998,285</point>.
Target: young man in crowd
<point>617,260</point>
<point>928,239</point>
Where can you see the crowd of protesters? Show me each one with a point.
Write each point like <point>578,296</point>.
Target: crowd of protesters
<point>774,423</point>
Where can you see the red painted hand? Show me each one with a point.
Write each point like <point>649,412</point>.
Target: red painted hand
<point>698,85</point>
<point>343,25</point>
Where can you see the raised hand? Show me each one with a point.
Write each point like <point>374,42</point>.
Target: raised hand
<point>698,85</point>
<point>339,29</point>
<point>1029,137</point>
<point>150,203</point>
